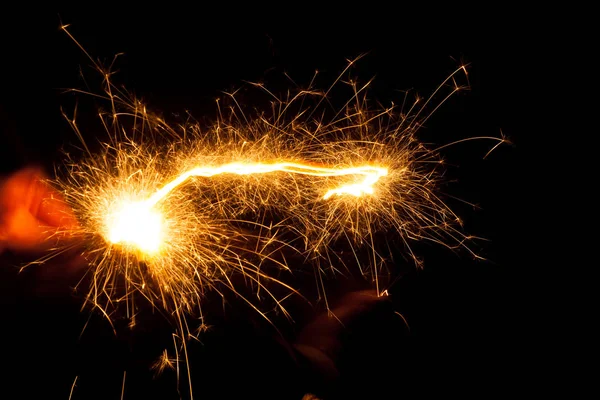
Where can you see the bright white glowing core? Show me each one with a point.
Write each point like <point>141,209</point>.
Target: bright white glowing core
<point>136,224</point>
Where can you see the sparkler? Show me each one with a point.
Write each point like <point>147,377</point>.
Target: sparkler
<point>170,222</point>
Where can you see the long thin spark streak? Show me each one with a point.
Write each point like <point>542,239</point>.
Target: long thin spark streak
<point>371,176</point>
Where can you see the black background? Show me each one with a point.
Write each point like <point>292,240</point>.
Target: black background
<point>469,320</point>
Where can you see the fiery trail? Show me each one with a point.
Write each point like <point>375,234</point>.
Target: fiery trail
<point>139,224</point>
<point>371,174</point>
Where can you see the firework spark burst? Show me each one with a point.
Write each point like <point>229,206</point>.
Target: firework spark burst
<point>171,212</point>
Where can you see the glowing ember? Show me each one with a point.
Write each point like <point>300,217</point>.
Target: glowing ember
<point>136,224</point>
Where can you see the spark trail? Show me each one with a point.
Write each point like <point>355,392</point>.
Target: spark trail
<point>139,224</point>
<point>371,176</point>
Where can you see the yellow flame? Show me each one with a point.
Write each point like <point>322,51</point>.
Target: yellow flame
<point>136,224</point>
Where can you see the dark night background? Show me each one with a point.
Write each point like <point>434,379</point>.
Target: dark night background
<point>469,320</point>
